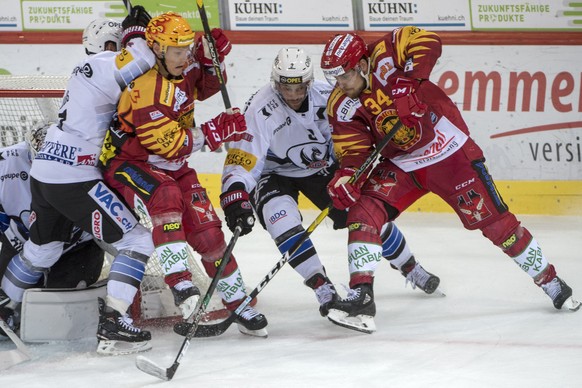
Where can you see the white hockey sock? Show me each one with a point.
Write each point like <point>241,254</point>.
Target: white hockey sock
<point>232,287</point>
<point>363,257</point>
<point>531,259</point>
<point>173,257</point>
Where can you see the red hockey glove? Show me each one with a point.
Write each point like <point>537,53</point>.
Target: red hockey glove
<point>221,43</point>
<point>408,106</point>
<point>237,208</point>
<point>343,194</point>
<point>224,127</point>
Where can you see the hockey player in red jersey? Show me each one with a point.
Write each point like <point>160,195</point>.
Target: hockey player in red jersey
<point>146,161</point>
<point>432,152</point>
<point>287,151</point>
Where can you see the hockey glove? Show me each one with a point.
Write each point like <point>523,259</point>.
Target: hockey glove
<point>135,23</point>
<point>408,106</point>
<point>221,43</point>
<point>343,194</point>
<point>224,127</point>
<point>237,208</point>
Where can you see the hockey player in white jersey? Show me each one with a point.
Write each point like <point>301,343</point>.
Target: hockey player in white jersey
<point>288,150</point>
<point>67,187</point>
<point>82,258</point>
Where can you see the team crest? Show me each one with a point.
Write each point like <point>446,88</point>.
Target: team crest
<point>473,207</point>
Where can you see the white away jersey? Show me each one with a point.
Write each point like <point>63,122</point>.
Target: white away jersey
<point>281,141</point>
<point>15,194</point>
<point>72,146</point>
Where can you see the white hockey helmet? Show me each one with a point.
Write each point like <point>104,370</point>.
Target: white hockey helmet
<point>99,32</point>
<point>35,137</point>
<point>292,66</point>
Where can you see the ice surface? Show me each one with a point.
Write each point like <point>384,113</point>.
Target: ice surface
<point>494,328</point>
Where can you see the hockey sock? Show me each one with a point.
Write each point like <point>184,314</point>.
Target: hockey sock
<point>20,275</point>
<point>394,246</point>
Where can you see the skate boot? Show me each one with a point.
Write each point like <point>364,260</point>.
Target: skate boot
<point>9,313</point>
<point>356,311</point>
<point>561,294</point>
<point>417,276</point>
<point>251,322</point>
<point>324,291</point>
<point>186,296</point>
<point>117,335</point>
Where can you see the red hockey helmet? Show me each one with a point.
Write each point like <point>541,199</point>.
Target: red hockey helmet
<point>342,54</point>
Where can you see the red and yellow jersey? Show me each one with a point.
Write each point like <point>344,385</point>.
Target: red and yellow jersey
<point>359,124</point>
<point>157,113</point>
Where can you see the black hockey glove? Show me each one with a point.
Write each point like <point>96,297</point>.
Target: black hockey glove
<point>237,208</point>
<point>134,24</point>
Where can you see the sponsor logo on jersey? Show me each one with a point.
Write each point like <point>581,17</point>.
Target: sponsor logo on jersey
<point>87,160</point>
<point>286,123</point>
<point>15,175</point>
<point>7,153</point>
<point>97,224</point>
<point>156,115</point>
<point>180,97</point>
<point>236,157</point>
<point>58,152</point>
<point>142,183</point>
<point>277,216</point>
<point>85,70</point>
<point>384,68</point>
<point>172,227</point>
<point>112,206</point>
<point>347,108</point>
<point>269,107</point>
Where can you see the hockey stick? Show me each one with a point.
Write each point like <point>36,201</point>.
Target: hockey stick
<point>213,54</point>
<point>15,356</point>
<point>128,6</point>
<point>221,327</point>
<point>148,366</point>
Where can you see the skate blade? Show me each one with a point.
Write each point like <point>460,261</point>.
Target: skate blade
<point>362,323</point>
<point>151,368</point>
<point>254,333</point>
<point>438,292</point>
<point>571,304</point>
<point>116,348</point>
<point>188,307</point>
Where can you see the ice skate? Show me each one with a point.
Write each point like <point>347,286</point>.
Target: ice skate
<point>251,322</point>
<point>9,314</point>
<point>561,294</point>
<point>356,311</point>
<point>186,296</point>
<point>421,278</point>
<point>324,291</point>
<point>116,334</point>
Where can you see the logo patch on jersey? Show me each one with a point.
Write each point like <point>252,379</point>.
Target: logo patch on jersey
<point>384,69</point>
<point>123,58</point>
<point>346,109</point>
<point>140,182</point>
<point>85,70</point>
<point>58,152</point>
<point>14,175</point>
<point>236,157</point>
<point>87,160</point>
<point>405,137</point>
<point>166,93</point>
<point>156,115</point>
<point>109,202</point>
<point>269,107</point>
<point>473,207</point>
<point>180,97</point>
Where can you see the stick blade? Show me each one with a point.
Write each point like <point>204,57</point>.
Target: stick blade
<point>151,368</point>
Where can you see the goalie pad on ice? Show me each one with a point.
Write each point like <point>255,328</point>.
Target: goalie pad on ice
<point>60,314</point>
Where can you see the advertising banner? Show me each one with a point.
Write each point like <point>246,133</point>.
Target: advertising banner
<point>63,15</point>
<point>291,15</point>
<point>382,15</point>
<point>526,15</point>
